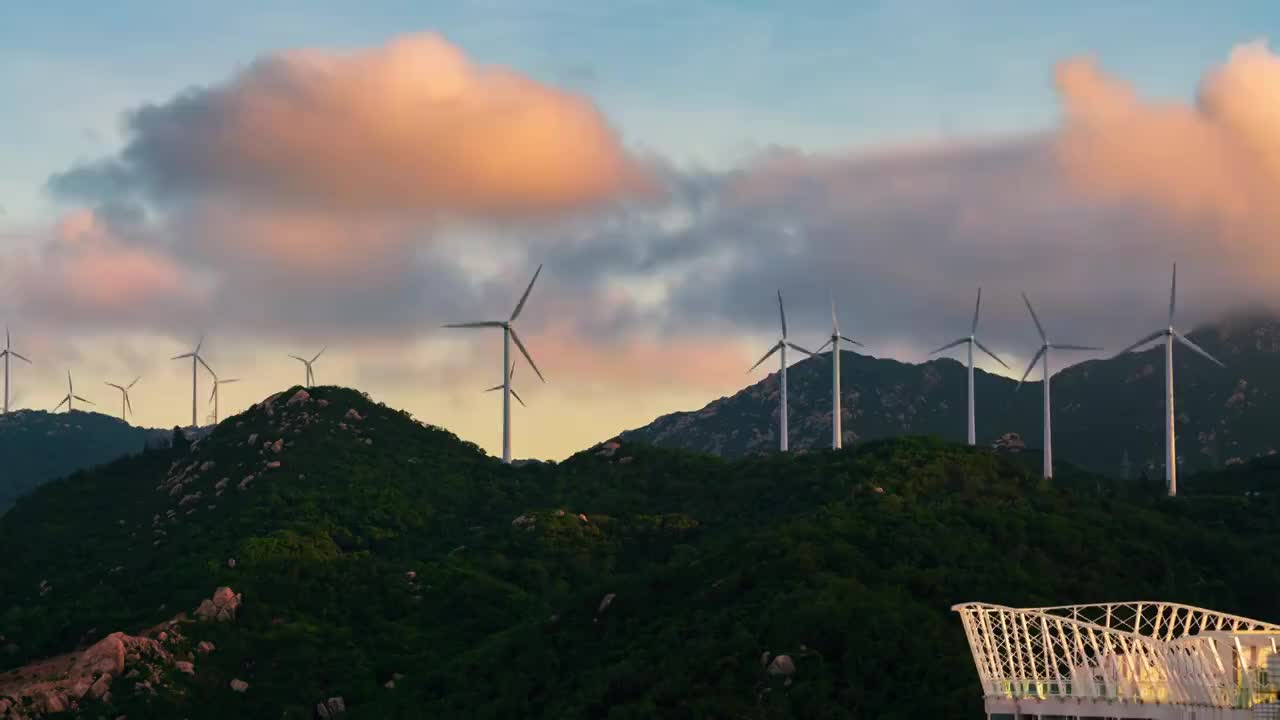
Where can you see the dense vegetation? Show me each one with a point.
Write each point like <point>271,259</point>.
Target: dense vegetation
<point>38,446</point>
<point>1108,414</point>
<point>847,561</point>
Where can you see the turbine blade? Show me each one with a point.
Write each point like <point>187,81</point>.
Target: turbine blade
<point>516,395</point>
<point>135,382</point>
<point>520,305</point>
<point>950,345</point>
<point>1030,367</point>
<point>83,400</point>
<point>1143,341</point>
<point>484,324</point>
<point>984,349</point>
<point>229,381</point>
<point>823,347</point>
<point>1057,346</point>
<point>525,352</point>
<point>794,346</point>
<point>850,340</point>
<point>23,359</point>
<point>1039,327</point>
<point>116,386</point>
<point>179,357</point>
<point>206,367</point>
<point>65,400</point>
<point>767,355</point>
<point>198,346</point>
<point>1173,292</point>
<point>976,306</point>
<point>213,394</point>
<point>301,360</point>
<point>834,323</point>
<point>495,387</point>
<point>127,403</point>
<point>1198,350</point>
<point>317,357</point>
<point>782,314</point>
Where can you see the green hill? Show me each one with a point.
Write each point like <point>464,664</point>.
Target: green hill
<point>627,582</point>
<point>1104,410</point>
<point>38,446</point>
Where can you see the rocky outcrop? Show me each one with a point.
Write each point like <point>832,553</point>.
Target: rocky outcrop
<point>334,707</point>
<point>221,607</point>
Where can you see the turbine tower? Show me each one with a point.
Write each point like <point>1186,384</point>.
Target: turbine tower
<point>834,342</point>
<point>971,341</point>
<point>508,334</point>
<point>311,376</point>
<point>514,394</point>
<point>196,361</point>
<point>1043,355</point>
<point>125,405</point>
<point>782,346</point>
<point>71,394</point>
<point>1169,335</point>
<point>214,397</point>
<point>6,353</point>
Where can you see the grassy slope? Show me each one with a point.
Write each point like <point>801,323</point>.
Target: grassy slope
<point>712,564</point>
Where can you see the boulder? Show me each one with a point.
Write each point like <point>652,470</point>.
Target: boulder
<point>253,440</point>
<point>239,685</point>
<point>299,398</point>
<point>782,665</point>
<point>221,607</point>
<point>185,667</point>
<point>276,446</point>
<point>273,464</point>
<point>353,414</point>
<point>205,647</point>
<point>605,602</point>
<point>332,708</point>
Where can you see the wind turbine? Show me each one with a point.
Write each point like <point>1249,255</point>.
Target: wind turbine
<point>514,394</point>
<point>1043,354</point>
<point>125,405</point>
<point>834,342</point>
<point>971,341</point>
<point>311,376</point>
<point>8,351</point>
<point>196,361</point>
<point>71,393</point>
<point>214,397</point>
<point>508,334</point>
<point>782,346</point>
<point>1169,335</point>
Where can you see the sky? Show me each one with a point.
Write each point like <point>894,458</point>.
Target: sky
<point>300,176</point>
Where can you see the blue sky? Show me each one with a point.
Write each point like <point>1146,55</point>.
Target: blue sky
<point>699,82</point>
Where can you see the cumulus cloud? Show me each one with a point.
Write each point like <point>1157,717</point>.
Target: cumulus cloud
<point>1215,161</point>
<point>412,126</point>
<point>85,274</point>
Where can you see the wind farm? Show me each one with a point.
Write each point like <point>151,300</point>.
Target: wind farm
<point>833,342</point>
<point>970,342</point>
<point>125,406</point>
<point>781,347</point>
<point>71,397</point>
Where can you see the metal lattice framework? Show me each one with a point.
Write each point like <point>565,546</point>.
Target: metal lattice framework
<point>1129,652</point>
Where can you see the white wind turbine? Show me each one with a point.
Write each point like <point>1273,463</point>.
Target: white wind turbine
<point>514,394</point>
<point>782,346</point>
<point>834,342</point>
<point>1169,335</point>
<point>6,353</point>
<point>508,334</point>
<point>1043,354</point>
<point>214,397</point>
<point>125,405</point>
<point>971,341</point>
<point>196,361</point>
<point>71,394</point>
<point>311,376</point>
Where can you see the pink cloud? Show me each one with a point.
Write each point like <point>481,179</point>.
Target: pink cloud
<point>1216,161</point>
<point>84,273</point>
<point>411,126</point>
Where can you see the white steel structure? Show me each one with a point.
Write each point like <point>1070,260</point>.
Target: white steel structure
<point>71,395</point>
<point>781,346</point>
<point>1169,335</point>
<point>196,361</point>
<point>972,340</point>
<point>834,342</point>
<point>1042,356</point>
<point>508,334</point>
<point>514,394</point>
<point>125,406</point>
<point>214,397</point>
<point>311,376</point>
<point>1142,659</point>
<point>6,354</point>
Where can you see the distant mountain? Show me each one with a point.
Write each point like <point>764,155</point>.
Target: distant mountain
<point>37,446</point>
<point>1104,411</point>
<point>368,563</point>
